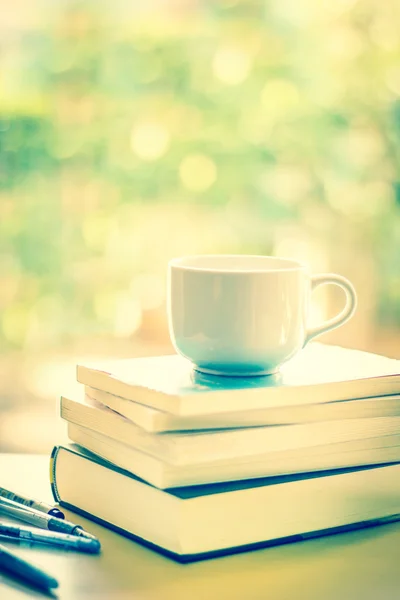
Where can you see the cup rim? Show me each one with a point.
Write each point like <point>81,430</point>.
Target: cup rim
<point>288,264</point>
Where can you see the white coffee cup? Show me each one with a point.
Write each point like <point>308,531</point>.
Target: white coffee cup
<point>245,315</point>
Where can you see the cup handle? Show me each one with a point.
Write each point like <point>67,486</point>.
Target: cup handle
<point>344,315</point>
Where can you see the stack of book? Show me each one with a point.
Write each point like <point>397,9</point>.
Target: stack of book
<point>196,465</point>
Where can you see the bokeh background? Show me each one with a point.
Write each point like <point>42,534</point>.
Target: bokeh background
<point>132,132</point>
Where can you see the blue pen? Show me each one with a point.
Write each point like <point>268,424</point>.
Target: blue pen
<point>63,540</point>
<point>13,564</point>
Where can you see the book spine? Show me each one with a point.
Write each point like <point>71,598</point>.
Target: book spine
<point>53,483</point>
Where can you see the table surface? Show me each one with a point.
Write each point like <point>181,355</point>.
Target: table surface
<point>350,566</point>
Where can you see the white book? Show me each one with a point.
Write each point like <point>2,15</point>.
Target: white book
<point>318,374</point>
<point>188,448</point>
<point>152,419</point>
<point>372,451</point>
<point>195,522</point>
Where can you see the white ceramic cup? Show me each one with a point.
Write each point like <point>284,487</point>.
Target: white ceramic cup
<point>245,315</point>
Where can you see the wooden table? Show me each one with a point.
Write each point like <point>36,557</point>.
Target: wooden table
<point>363,565</point>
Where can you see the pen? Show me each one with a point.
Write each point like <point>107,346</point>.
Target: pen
<point>15,565</point>
<point>36,504</point>
<point>66,541</point>
<point>39,519</point>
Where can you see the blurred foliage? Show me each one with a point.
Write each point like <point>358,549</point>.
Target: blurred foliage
<point>132,132</point>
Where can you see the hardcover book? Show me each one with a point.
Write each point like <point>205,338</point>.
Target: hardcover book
<point>199,521</point>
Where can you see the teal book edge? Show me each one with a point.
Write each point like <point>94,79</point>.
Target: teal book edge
<point>188,558</point>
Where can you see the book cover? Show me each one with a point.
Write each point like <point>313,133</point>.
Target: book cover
<point>186,448</point>
<point>372,451</point>
<point>199,522</point>
<point>319,373</point>
<point>157,421</point>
